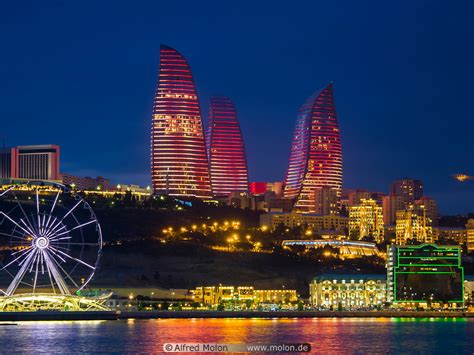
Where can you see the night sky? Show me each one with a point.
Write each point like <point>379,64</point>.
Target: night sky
<point>82,74</point>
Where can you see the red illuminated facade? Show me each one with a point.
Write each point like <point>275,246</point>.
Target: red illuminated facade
<point>316,151</point>
<point>258,188</point>
<point>225,147</point>
<point>179,165</point>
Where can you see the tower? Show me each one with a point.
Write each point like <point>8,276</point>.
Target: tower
<point>316,151</point>
<point>226,149</point>
<point>179,165</point>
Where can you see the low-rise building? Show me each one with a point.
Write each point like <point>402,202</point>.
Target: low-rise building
<point>348,291</point>
<point>214,295</point>
<point>85,183</point>
<point>314,221</point>
<point>457,234</point>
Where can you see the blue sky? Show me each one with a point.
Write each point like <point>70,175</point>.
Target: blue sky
<point>82,74</point>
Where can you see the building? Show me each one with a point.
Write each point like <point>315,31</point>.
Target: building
<point>470,235</point>
<point>409,189</point>
<point>326,200</point>
<point>390,205</point>
<point>348,291</point>
<point>355,196</point>
<point>457,234</point>
<point>179,165</point>
<point>86,183</point>
<point>30,162</point>
<point>316,151</point>
<point>276,296</point>
<point>259,188</point>
<point>316,223</point>
<point>412,224</point>
<point>366,219</point>
<point>468,290</point>
<point>225,148</point>
<point>5,163</point>
<point>215,295</point>
<point>425,275</point>
<point>430,207</point>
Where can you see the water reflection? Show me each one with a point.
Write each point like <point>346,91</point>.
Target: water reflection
<point>342,335</point>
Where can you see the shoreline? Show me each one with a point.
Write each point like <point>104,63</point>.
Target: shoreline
<point>117,315</point>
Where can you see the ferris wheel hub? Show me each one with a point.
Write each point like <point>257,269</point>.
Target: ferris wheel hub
<point>41,242</point>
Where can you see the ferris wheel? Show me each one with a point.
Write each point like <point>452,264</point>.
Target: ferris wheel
<point>50,240</point>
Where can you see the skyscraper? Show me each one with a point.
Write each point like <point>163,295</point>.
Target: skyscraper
<point>316,151</point>
<point>226,150</point>
<point>179,165</point>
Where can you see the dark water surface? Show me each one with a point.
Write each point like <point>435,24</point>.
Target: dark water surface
<point>326,335</point>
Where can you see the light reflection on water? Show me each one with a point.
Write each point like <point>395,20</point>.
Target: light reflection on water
<point>340,335</point>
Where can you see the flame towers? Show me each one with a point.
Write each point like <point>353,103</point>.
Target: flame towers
<point>179,164</point>
<point>316,151</point>
<point>225,148</point>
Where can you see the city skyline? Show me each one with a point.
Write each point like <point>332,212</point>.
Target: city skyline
<point>370,88</point>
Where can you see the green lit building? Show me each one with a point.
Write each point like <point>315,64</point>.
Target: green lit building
<point>425,275</point>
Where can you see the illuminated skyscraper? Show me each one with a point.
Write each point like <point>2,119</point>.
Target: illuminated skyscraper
<point>225,146</point>
<point>316,151</point>
<point>179,165</point>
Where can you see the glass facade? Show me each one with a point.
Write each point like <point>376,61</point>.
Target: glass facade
<point>316,151</point>
<point>225,146</point>
<point>179,165</point>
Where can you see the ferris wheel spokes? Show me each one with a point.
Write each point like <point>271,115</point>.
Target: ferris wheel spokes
<point>53,244</point>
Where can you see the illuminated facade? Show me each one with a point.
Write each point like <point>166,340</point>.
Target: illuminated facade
<point>346,247</point>
<point>259,188</point>
<point>455,235</point>
<point>226,150</point>
<point>179,165</point>
<point>425,274</point>
<point>412,224</point>
<point>316,151</point>
<point>470,235</point>
<point>366,219</point>
<point>431,208</point>
<point>214,295</point>
<point>315,222</point>
<point>30,162</point>
<point>348,291</point>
